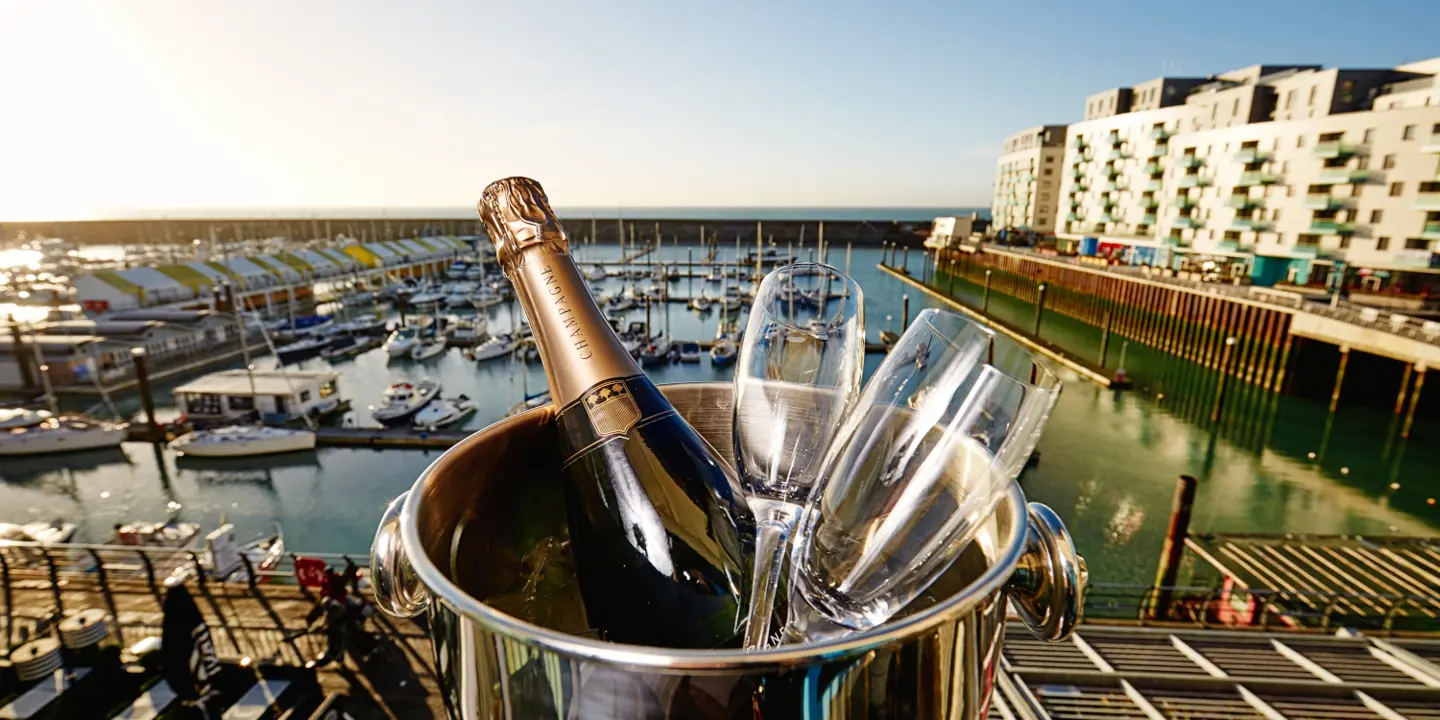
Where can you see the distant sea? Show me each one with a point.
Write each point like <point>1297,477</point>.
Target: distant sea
<point>883,214</point>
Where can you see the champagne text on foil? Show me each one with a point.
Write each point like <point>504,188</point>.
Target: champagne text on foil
<point>568,321</point>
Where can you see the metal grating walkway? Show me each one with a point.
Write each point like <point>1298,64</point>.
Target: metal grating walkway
<point>1116,673</point>
<point>1389,583</point>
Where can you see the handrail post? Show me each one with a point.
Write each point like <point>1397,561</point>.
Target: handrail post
<point>104,578</point>
<point>9,602</point>
<point>150,578</point>
<point>55,584</point>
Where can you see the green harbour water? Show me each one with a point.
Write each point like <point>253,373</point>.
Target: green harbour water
<point>1108,461</point>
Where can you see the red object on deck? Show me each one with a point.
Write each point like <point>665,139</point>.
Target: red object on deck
<point>310,572</point>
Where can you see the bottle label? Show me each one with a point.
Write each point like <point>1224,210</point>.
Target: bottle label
<point>610,409</point>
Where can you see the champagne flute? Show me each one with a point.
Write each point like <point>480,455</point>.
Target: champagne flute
<point>930,448</point>
<point>799,371</point>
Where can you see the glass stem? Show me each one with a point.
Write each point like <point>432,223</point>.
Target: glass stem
<point>774,522</point>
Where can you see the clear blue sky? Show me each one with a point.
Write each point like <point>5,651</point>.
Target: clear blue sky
<point>282,103</point>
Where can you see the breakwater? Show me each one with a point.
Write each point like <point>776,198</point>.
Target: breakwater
<point>592,229</point>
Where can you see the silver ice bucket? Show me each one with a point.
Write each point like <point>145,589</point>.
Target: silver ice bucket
<point>936,661</point>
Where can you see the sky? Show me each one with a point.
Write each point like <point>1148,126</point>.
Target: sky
<point>113,106</point>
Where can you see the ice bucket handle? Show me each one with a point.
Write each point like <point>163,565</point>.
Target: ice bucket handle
<point>397,590</point>
<point>1048,587</point>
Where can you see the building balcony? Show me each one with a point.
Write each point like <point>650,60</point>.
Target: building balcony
<point>1251,179</point>
<point>1155,185</point>
<point>1111,172</point>
<point>1079,159</point>
<point>1431,231</point>
<point>1074,217</point>
<point>1149,203</point>
<point>1427,201</point>
<point>1190,181</point>
<point>1159,133</point>
<point>1249,155</point>
<point>1114,139</point>
<point>1079,143</point>
<point>1247,224</point>
<point>1114,186</point>
<point>1185,221</point>
<point>1108,218</point>
<point>1330,150</point>
<point>1118,154</point>
<point>1324,202</point>
<point>1159,151</point>
<point>1342,176</point>
<point>1331,227</point>
<point>1154,168</point>
<point>1431,145</point>
<point>1147,219</point>
<point>1077,174</point>
<point>1191,161</point>
<point>1242,202</point>
<point>1184,201</point>
<point>1306,250</point>
<point>1079,187</point>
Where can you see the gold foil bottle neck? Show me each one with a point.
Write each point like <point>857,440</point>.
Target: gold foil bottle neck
<point>518,216</point>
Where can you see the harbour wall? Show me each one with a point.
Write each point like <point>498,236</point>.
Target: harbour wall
<point>604,230</point>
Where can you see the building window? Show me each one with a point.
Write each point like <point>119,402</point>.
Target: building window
<point>1417,244</point>
<point>1375,216</point>
<point>1396,188</point>
<point>1307,239</point>
<point>1275,214</point>
<point>1388,162</point>
<point>1049,171</point>
<point>1049,159</point>
<point>1409,133</point>
<point>1311,101</point>
<point>1300,141</point>
<point>1284,166</point>
<point>1369,135</point>
<point>242,403</point>
<point>1382,243</point>
<point>1235,111</point>
<point>1362,163</point>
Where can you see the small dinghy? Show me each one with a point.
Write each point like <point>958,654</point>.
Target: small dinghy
<point>496,347</point>
<point>242,441</point>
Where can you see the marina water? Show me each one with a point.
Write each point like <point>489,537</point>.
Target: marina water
<point>1108,458</point>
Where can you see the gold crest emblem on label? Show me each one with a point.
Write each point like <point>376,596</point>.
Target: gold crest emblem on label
<point>611,409</point>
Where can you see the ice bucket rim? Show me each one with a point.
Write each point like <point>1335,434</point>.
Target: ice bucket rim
<point>991,583</point>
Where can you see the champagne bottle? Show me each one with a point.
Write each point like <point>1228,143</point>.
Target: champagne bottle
<point>659,527</point>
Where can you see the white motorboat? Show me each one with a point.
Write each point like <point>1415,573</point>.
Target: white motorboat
<point>657,351</point>
<point>429,348</point>
<point>11,418</point>
<point>445,412</point>
<point>595,272</point>
<point>716,274</point>
<point>723,352</point>
<point>495,347</point>
<point>475,274</point>
<point>402,400</point>
<point>458,294</point>
<point>358,298</point>
<point>700,303</point>
<point>64,433</point>
<point>525,350</point>
<point>401,342</point>
<point>469,332</point>
<point>242,441</point>
<point>485,297</point>
<point>457,270</point>
<point>361,326</point>
<point>169,534</point>
<point>689,352</point>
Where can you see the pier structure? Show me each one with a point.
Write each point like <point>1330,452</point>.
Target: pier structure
<point>1270,340</point>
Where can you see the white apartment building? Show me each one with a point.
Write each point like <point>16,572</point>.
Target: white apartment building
<point>1293,170</point>
<point>1027,185</point>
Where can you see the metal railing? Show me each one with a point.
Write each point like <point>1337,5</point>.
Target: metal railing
<point>1261,609</point>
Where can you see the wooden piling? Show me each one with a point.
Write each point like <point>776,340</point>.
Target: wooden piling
<point>1339,377</point>
<point>1217,410</point>
<point>1039,309</point>
<point>1414,402</point>
<point>147,394</point>
<point>1173,550</point>
<point>904,313</point>
<point>1105,338</point>
<point>1404,385</point>
<point>985,298</point>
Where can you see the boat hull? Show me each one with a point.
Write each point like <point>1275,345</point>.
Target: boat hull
<point>56,442</point>
<point>250,448</point>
